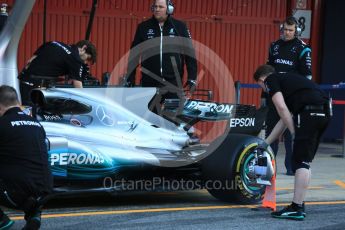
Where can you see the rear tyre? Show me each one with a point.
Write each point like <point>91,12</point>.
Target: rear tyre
<point>228,165</point>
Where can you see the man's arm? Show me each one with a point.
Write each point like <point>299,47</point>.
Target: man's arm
<point>77,84</point>
<point>270,56</point>
<point>283,111</point>
<point>29,61</point>
<point>278,129</point>
<point>77,75</point>
<point>305,67</point>
<point>77,70</point>
<point>191,63</point>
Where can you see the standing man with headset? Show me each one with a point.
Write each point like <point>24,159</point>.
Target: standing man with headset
<point>166,46</point>
<point>288,54</point>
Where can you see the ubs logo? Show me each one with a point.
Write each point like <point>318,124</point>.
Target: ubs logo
<point>104,116</point>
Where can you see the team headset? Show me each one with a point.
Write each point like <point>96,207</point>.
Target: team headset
<point>170,7</point>
<point>298,30</point>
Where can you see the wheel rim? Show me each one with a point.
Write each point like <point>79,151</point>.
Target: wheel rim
<point>244,171</point>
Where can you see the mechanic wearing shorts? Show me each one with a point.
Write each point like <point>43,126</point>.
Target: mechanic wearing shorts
<point>55,59</point>
<point>25,177</point>
<point>297,95</point>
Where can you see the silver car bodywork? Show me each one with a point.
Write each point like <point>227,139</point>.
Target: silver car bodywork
<point>94,132</point>
<point>102,129</point>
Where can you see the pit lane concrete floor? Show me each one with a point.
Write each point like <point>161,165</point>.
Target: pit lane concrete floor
<point>328,175</point>
<point>199,210</point>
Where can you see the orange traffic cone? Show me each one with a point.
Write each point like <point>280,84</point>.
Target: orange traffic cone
<point>269,200</point>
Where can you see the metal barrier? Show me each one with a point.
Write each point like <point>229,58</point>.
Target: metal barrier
<point>340,86</point>
<point>339,102</point>
<point>238,91</point>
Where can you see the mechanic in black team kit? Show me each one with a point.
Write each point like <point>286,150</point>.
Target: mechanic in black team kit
<point>288,54</point>
<point>54,59</point>
<point>25,175</point>
<point>163,62</point>
<point>309,105</point>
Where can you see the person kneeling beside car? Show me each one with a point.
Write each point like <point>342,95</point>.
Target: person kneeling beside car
<point>25,176</point>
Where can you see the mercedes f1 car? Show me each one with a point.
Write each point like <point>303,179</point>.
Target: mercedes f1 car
<point>108,140</point>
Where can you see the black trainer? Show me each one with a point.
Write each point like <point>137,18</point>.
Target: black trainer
<point>5,222</point>
<point>33,222</point>
<point>290,212</point>
<point>303,210</point>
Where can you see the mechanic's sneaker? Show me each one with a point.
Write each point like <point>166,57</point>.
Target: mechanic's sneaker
<point>303,210</point>
<point>33,222</point>
<point>5,222</point>
<point>290,212</point>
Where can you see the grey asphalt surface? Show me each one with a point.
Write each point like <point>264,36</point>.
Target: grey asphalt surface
<point>199,210</point>
<point>320,217</point>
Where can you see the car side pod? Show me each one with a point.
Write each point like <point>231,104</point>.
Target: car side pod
<point>232,172</point>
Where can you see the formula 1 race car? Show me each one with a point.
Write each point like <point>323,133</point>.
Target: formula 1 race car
<point>108,140</point>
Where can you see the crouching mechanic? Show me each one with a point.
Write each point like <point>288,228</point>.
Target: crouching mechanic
<point>308,104</point>
<point>25,177</point>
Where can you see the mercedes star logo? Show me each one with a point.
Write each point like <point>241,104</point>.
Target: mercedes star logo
<point>104,116</point>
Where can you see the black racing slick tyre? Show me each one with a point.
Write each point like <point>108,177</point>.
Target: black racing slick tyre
<point>225,170</point>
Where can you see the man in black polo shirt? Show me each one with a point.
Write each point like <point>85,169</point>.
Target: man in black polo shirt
<point>54,59</point>
<point>25,175</point>
<point>308,104</point>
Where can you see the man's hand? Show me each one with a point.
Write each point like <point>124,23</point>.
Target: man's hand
<point>263,145</point>
<point>126,82</point>
<point>77,84</point>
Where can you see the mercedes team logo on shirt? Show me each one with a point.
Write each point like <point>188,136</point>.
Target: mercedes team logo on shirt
<point>104,116</point>
<point>150,32</point>
<point>294,49</point>
<point>276,47</point>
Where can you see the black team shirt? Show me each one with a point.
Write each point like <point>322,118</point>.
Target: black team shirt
<point>56,59</point>
<point>297,90</point>
<point>23,152</point>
